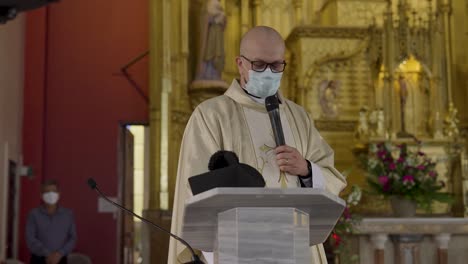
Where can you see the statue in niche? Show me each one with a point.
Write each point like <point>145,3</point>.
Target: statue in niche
<point>362,130</point>
<point>328,94</point>
<point>451,122</point>
<point>373,123</point>
<point>380,123</point>
<point>211,57</point>
<point>377,123</point>
<point>403,99</point>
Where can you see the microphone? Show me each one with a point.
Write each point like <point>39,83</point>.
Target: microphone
<point>195,258</point>
<point>272,106</point>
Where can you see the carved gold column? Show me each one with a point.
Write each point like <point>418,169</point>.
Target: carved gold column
<point>258,12</point>
<point>298,12</point>
<point>156,245</point>
<point>155,86</point>
<point>391,124</point>
<point>245,16</point>
<point>165,104</point>
<point>181,109</point>
<point>437,83</point>
<point>445,9</point>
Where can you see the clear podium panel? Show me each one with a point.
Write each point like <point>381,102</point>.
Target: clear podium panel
<point>202,210</point>
<point>263,235</point>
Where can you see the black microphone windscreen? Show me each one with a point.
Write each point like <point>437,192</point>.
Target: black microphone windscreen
<point>221,159</point>
<point>271,103</point>
<point>92,183</point>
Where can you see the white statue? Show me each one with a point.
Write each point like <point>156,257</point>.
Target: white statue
<point>451,122</point>
<point>328,97</point>
<point>380,123</point>
<point>211,60</point>
<point>362,130</point>
<point>373,119</point>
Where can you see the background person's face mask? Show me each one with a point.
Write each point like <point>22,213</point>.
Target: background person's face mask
<point>263,84</point>
<point>50,197</point>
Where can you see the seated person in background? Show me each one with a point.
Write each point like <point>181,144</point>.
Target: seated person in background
<point>50,229</point>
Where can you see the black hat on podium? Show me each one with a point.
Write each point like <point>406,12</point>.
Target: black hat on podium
<point>226,171</point>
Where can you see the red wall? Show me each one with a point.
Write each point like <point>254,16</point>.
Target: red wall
<point>73,104</point>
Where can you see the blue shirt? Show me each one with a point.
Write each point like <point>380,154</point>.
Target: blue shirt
<point>46,233</point>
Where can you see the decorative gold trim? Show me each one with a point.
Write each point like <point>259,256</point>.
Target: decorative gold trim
<point>341,56</point>
<point>327,32</point>
<point>335,125</point>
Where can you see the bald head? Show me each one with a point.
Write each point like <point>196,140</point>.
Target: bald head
<point>262,38</point>
<point>261,44</point>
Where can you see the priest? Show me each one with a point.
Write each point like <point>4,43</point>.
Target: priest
<point>238,121</point>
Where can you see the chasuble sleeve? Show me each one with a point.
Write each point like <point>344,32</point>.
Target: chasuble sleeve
<point>199,142</point>
<point>320,153</point>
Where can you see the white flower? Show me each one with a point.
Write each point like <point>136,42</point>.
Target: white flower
<point>355,196</point>
<point>388,146</point>
<point>372,162</point>
<point>373,148</point>
<point>395,153</point>
<point>412,161</point>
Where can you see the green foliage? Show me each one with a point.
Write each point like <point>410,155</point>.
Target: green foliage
<point>345,227</point>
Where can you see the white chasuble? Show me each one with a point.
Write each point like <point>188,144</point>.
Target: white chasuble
<point>235,122</point>
<point>264,145</point>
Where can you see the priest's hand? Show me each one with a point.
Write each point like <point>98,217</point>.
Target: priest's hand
<point>291,161</point>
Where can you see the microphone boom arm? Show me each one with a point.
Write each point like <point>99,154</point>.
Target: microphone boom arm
<point>196,259</point>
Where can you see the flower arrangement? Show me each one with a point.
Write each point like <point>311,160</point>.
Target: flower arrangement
<point>344,227</point>
<point>394,170</point>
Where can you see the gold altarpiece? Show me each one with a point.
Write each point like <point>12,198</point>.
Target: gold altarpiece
<point>351,42</point>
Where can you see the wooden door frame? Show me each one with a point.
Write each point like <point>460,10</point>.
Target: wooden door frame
<point>121,186</point>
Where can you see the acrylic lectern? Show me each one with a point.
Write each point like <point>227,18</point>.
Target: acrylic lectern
<point>260,225</point>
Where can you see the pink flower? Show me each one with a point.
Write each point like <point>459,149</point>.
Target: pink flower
<point>408,179</point>
<point>382,154</point>
<point>392,166</point>
<point>346,213</point>
<point>433,174</point>
<point>421,167</point>
<point>401,160</point>
<point>383,180</point>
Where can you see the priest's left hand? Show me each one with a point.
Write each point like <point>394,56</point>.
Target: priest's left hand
<point>291,161</point>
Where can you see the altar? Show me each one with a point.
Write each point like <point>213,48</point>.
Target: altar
<point>367,72</point>
<point>428,240</point>
<point>374,72</point>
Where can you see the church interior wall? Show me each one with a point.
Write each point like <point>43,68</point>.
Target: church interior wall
<point>75,48</point>
<point>11,91</point>
<point>76,99</point>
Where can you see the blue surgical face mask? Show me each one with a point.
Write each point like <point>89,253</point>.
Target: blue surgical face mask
<point>263,84</point>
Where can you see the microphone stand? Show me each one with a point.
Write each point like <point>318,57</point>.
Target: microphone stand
<point>195,258</point>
